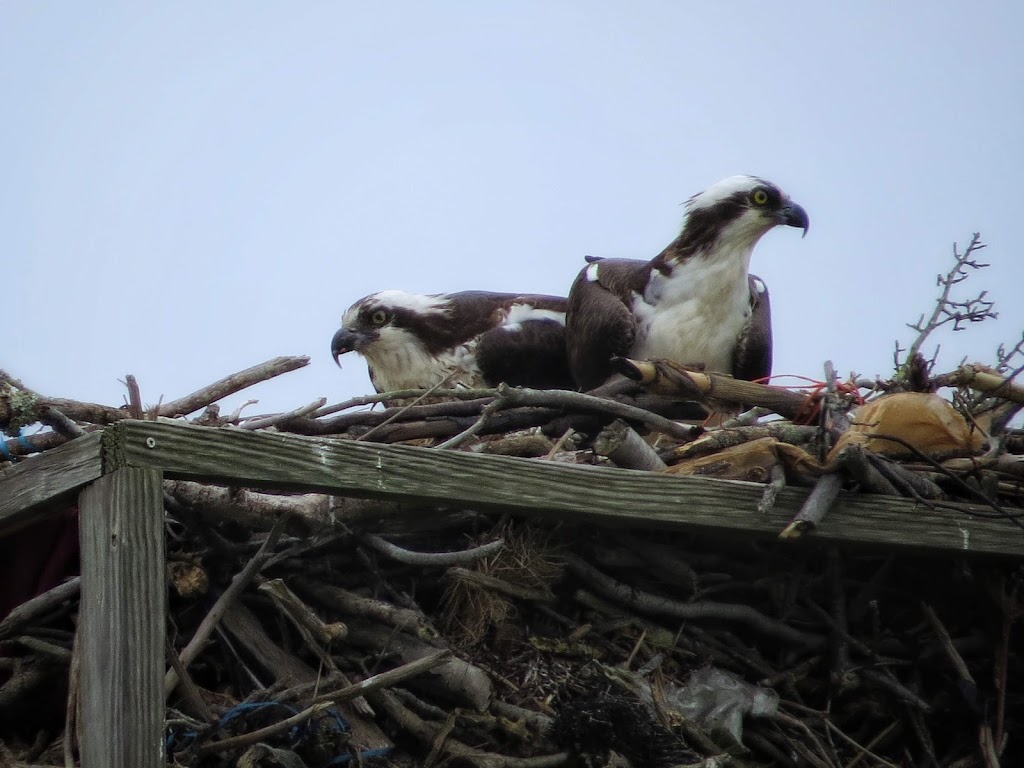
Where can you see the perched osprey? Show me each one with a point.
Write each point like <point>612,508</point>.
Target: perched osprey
<point>414,341</point>
<point>695,302</point>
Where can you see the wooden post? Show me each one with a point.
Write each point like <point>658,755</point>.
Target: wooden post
<point>122,620</point>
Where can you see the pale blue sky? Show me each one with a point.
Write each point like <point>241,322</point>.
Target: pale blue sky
<point>187,189</point>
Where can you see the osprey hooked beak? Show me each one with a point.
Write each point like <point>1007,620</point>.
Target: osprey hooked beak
<point>346,341</point>
<point>793,215</point>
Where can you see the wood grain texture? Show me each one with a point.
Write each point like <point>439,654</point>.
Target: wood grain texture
<point>123,620</point>
<point>600,495</point>
<point>33,487</point>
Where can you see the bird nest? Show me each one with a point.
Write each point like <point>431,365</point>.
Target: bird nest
<point>307,630</point>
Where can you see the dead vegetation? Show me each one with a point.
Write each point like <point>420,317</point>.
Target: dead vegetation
<point>306,630</point>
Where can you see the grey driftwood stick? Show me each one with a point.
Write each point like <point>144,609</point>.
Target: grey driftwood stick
<point>620,443</point>
<point>229,385</point>
<point>648,603</point>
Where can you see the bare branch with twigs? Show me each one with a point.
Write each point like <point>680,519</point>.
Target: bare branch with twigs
<point>947,309</point>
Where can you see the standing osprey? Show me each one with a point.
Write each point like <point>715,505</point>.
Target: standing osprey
<point>413,341</point>
<point>695,302</point>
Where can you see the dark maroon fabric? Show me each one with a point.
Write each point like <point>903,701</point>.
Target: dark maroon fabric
<point>37,558</point>
<point>33,560</point>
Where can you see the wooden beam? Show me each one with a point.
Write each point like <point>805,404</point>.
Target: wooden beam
<point>37,485</point>
<point>123,620</point>
<point>601,495</point>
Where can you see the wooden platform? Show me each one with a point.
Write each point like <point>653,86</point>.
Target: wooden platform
<point>116,475</point>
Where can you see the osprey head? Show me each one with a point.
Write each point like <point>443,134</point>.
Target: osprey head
<point>381,321</point>
<point>737,211</point>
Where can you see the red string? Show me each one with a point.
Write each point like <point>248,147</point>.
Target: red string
<point>810,409</point>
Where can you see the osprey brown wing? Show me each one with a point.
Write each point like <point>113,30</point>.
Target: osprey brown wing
<point>752,356</point>
<point>599,322</point>
<point>529,355</point>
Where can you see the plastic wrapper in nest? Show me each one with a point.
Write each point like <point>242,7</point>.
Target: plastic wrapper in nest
<point>921,422</point>
<point>718,701</point>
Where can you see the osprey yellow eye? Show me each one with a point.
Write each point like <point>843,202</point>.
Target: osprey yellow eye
<point>379,317</point>
<point>760,197</point>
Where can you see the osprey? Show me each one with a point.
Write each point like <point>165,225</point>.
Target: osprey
<point>695,302</point>
<point>477,338</point>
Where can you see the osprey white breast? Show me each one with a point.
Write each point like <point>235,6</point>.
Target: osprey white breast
<point>695,314</point>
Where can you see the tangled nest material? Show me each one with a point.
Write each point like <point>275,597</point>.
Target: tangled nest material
<point>380,633</point>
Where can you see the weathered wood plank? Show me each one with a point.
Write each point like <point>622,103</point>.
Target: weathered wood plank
<point>123,620</point>
<point>34,486</point>
<point>609,496</point>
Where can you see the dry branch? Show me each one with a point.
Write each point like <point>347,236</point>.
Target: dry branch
<point>229,385</point>
<point>520,397</point>
<point>517,591</point>
<point>825,492</point>
<point>224,602</point>
<point>91,413</point>
<point>253,737</point>
<point>347,602</point>
<point>983,379</point>
<point>405,394</point>
<point>454,678</point>
<point>421,730</point>
<point>282,418</point>
<point>60,423</point>
<point>259,511</point>
<point>25,445</point>
<point>431,558</point>
<point>699,610</point>
<point>386,679</point>
<point>303,616</point>
<point>947,310</point>
<point>625,448</point>
<point>668,378</point>
<point>39,605</point>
